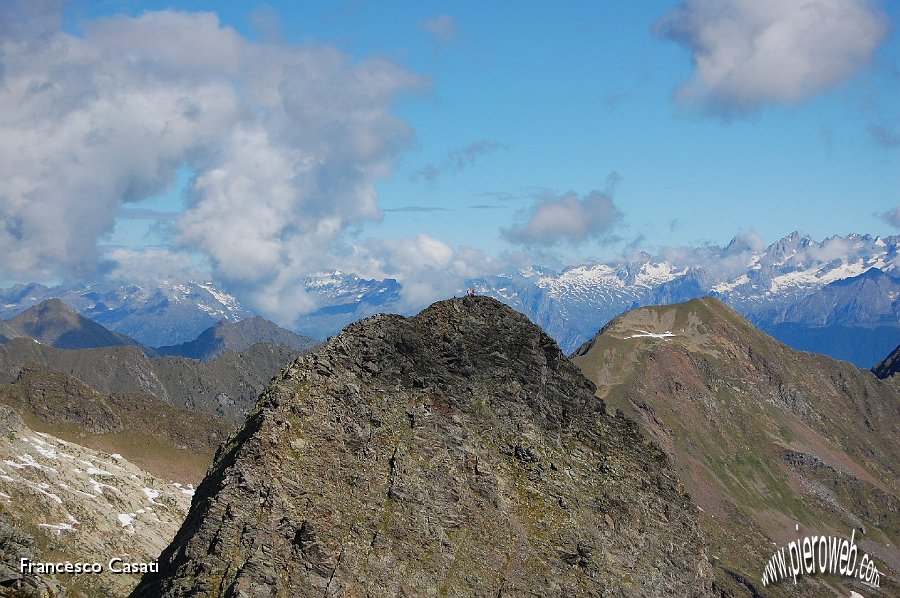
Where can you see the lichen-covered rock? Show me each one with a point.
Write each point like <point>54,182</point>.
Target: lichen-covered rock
<point>455,453</point>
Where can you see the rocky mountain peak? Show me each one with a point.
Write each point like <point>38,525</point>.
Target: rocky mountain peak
<point>237,336</point>
<point>457,452</point>
<point>52,322</point>
<point>48,309</point>
<point>738,244</point>
<point>786,247</point>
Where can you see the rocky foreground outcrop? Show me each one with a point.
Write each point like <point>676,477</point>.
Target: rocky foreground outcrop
<point>455,453</point>
<point>60,501</point>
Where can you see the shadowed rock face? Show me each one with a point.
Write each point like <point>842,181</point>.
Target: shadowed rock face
<point>890,365</point>
<point>454,453</point>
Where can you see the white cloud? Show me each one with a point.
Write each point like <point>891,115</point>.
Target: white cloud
<point>749,53</point>
<point>287,143</point>
<point>566,218</point>
<point>151,264</point>
<point>428,268</point>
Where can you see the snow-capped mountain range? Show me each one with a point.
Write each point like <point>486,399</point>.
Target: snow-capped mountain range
<point>574,303</point>
<point>163,313</point>
<point>788,289</point>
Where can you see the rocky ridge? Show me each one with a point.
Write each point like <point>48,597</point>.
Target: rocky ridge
<point>228,386</point>
<point>457,452</point>
<point>238,336</point>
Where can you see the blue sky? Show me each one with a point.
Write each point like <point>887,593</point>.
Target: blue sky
<point>522,132</point>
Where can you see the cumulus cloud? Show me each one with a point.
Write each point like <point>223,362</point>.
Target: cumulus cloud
<point>458,159</point>
<point>443,27</point>
<point>286,143</point>
<point>150,265</point>
<point>428,268</point>
<point>892,217</point>
<point>566,218</point>
<point>832,248</point>
<point>750,53</point>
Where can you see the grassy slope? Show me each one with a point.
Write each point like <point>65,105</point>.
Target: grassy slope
<point>169,442</point>
<point>764,437</point>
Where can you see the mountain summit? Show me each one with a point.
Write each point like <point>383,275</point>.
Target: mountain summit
<point>457,452</point>
<point>765,437</point>
<point>52,322</point>
<point>237,336</point>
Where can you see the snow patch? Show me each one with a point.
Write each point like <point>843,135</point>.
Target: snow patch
<point>126,519</point>
<point>816,277</point>
<point>152,495</point>
<point>725,287</point>
<point>644,333</point>
<point>68,488</point>
<point>59,528</point>
<point>94,471</point>
<point>42,488</point>
<point>99,486</point>
<point>228,301</point>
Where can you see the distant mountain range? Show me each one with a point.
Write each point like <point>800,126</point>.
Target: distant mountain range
<point>163,313</point>
<point>239,358</point>
<point>52,322</point>
<point>840,296</point>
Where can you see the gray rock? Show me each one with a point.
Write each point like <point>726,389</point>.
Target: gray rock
<point>473,459</point>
